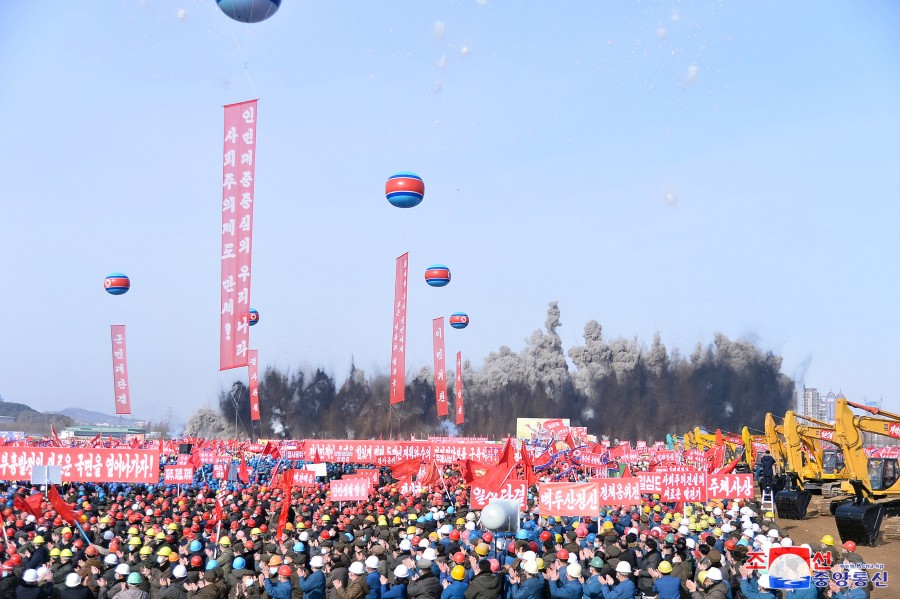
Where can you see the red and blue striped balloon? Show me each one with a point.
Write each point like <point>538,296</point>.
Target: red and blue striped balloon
<point>253,317</point>
<point>459,320</point>
<point>116,283</point>
<point>405,190</point>
<point>437,275</point>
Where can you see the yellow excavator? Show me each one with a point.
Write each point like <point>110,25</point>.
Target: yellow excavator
<point>870,481</point>
<point>806,472</point>
<point>750,440</point>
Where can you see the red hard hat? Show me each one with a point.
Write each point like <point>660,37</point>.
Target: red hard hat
<point>235,525</point>
<point>263,528</point>
<point>248,545</point>
<point>730,544</point>
<point>511,547</point>
<point>849,546</point>
<point>454,535</point>
<point>284,571</point>
<point>562,555</point>
<point>459,557</point>
<point>546,536</point>
<point>16,559</point>
<point>488,537</point>
<point>196,561</point>
<point>581,532</point>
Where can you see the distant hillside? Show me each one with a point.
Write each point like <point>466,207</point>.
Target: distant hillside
<point>31,421</point>
<point>82,416</point>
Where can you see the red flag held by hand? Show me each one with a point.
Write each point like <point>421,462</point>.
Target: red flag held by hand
<point>31,504</point>
<point>508,455</point>
<point>569,440</point>
<point>243,473</point>
<point>63,508</point>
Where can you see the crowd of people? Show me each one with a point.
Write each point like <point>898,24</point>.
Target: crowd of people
<point>158,542</point>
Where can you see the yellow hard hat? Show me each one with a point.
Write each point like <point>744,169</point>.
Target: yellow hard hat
<point>54,552</point>
<point>38,540</point>
<point>657,509</point>
<point>656,496</point>
<point>145,550</point>
<point>702,576</point>
<point>482,549</point>
<point>65,553</point>
<point>458,573</point>
<point>646,509</point>
<point>160,536</point>
<point>540,563</point>
<point>301,526</point>
<point>133,531</point>
<point>460,522</point>
<point>828,540</point>
<point>255,531</point>
<point>104,520</point>
<point>665,567</point>
<point>396,520</point>
<point>717,532</point>
<point>173,527</point>
<point>607,525</point>
<point>433,536</point>
<point>411,530</point>
<point>326,518</point>
<point>134,541</point>
<point>224,541</point>
<point>770,515</point>
<point>411,517</point>
<point>165,551</point>
<point>66,530</point>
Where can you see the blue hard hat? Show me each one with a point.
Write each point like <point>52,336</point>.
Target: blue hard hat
<point>298,546</point>
<point>522,535</point>
<point>451,510</point>
<point>195,546</point>
<point>238,563</point>
<point>591,537</point>
<point>212,564</point>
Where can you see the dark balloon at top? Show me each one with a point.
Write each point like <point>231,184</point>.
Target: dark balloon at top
<point>249,11</point>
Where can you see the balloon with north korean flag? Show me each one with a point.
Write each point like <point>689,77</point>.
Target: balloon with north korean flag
<point>116,283</point>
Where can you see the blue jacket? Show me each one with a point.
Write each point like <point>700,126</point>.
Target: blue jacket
<point>623,590</point>
<point>455,590</point>
<point>809,593</point>
<point>751,590</point>
<point>560,589</point>
<point>279,590</point>
<point>373,579</point>
<point>667,587</point>
<point>314,586</point>
<point>398,591</point>
<point>851,593</point>
<point>592,587</point>
<point>532,588</point>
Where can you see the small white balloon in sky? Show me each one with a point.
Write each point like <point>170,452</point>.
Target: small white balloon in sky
<point>181,14</point>
<point>439,28</point>
<point>691,75</point>
<point>661,33</point>
<point>671,198</point>
<point>464,50</point>
<point>442,61</point>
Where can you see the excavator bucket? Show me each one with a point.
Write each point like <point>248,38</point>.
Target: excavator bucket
<point>792,505</point>
<point>859,522</point>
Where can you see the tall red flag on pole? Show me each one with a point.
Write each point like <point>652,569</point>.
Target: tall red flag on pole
<point>398,340</point>
<point>253,367</point>
<point>440,367</point>
<point>238,175</point>
<point>458,390</point>
<point>120,369</point>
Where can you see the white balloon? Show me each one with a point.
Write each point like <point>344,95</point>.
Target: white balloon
<point>493,517</point>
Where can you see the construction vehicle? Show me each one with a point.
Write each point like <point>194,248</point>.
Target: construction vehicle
<point>750,440</point>
<point>870,481</point>
<point>806,474</point>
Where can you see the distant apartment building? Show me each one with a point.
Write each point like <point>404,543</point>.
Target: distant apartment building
<point>816,405</point>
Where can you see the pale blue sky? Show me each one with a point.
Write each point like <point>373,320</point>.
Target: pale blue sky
<point>677,167</point>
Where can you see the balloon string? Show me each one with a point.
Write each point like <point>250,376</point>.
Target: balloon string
<point>246,61</point>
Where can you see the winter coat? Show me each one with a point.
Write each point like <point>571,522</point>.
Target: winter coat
<point>667,587</point>
<point>624,590</point>
<point>571,589</point>
<point>426,586</point>
<point>373,581</point>
<point>719,590</point>
<point>357,589</point>
<point>398,591</point>
<point>313,587</point>
<point>175,590</point>
<point>28,590</point>
<point>278,590</point>
<point>531,588</point>
<point>485,585</point>
<point>79,592</point>
<point>455,590</point>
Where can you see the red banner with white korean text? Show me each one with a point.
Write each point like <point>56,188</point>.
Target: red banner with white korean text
<point>440,367</point>
<point>589,459</point>
<point>729,486</point>
<point>650,482</point>
<point>81,464</point>
<point>120,369</point>
<point>238,175</point>
<point>515,490</point>
<point>619,491</point>
<point>354,489</point>
<point>398,339</point>
<point>371,474</point>
<point>683,486</point>
<point>253,368</point>
<point>300,478</point>
<point>458,390</point>
<point>178,475</point>
<point>569,499</point>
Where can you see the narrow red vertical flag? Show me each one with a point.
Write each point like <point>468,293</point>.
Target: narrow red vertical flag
<point>440,372</point>
<point>243,473</point>
<point>458,390</point>
<point>508,455</point>
<point>253,367</point>
<point>398,338</point>
<point>62,508</point>
<point>120,369</point>
<point>238,185</point>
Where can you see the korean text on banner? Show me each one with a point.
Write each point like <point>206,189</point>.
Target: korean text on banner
<point>238,174</point>
<point>569,499</point>
<point>729,486</point>
<point>440,370</point>
<point>120,369</point>
<point>398,336</point>
<point>178,475</point>
<point>82,465</point>
<point>458,391</point>
<point>515,490</point>
<point>301,478</point>
<point>619,491</point>
<point>349,490</point>
<point>253,368</point>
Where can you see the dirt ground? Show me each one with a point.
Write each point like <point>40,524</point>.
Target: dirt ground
<point>887,552</point>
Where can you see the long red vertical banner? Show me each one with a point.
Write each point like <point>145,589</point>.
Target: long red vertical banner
<point>238,174</point>
<point>458,390</point>
<point>120,369</point>
<point>440,370</point>
<point>253,367</point>
<point>398,342</point>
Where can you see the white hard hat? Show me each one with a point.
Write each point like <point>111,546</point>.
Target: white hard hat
<point>179,571</point>
<point>30,575</point>
<point>405,545</point>
<point>445,529</point>
<point>717,511</point>
<point>110,559</point>
<point>316,561</point>
<point>401,571</point>
<point>470,525</point>
<point>73,580</point>
<point>623,568</point>
<point>123,569</point>
<point>423,544</point>
<point>787,542</point>
<point>430,554</point>
<point>773,534</point>
<point>691,543</point>
<point>304,537</point>
<point>529,556</point>
<point>573,570</point>
<point>357,568</point>
<point>714,574</point>
<point>372,562</point>
<point>530,567</point>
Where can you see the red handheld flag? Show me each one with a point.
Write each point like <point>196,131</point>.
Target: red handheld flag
<point>508,455</point>
<point>243,473</point>
<point>31,504</point>
<point>63,508</point>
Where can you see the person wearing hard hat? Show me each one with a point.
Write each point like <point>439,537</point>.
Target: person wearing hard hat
<point>34,586</point>
<point>40,555</point>
<point>624,587</point>
<point>455,588</point>
<point>74,589</point>
<point>357,589</point>
<point>758,587</point>
<point>713,587</point>
<point>485,584</point>
<point>132,588</point>
<point>312,579</point>
<point>398,589</point>
<point>566,589</point>
<point>529,587</point>
<point>665,586</point>
<point>281,588</point>
<point>425,584</point>
<point>827,544</point>
<point>373,578</point>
